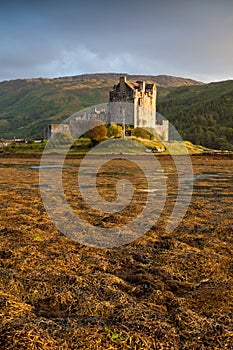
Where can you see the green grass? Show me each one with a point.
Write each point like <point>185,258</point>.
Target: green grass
<point>24,148</point>
<point>130,145</point>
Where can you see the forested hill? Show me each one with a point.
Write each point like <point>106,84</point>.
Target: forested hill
<point>202,114</point>
<point>27,105</point>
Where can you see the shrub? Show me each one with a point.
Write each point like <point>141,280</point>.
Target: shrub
<point>114,130</point>
<point>143,133</point>
<point>97,131</point>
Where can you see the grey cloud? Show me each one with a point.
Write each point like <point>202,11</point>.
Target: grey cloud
<point>153,37</point>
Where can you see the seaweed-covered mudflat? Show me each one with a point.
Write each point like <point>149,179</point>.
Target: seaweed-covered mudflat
<point>162,291</point>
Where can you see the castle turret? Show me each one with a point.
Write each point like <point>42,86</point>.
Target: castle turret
<point>123,80</point>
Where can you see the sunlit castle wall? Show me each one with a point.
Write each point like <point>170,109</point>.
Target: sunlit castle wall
<point>162,129</point>
<point>144,105</point>
<point>138,101</point>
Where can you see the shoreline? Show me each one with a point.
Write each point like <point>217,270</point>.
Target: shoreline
<point>35,155</point>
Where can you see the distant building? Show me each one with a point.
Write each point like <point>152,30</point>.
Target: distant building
<point>4,142</point>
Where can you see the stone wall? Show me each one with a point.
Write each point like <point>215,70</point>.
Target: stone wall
<point>163,130</point>
<point>50,129</point>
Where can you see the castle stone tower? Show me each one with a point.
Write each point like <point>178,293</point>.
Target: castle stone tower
<point>141,112</point>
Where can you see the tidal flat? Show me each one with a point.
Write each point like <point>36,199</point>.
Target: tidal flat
<point>163,290</point>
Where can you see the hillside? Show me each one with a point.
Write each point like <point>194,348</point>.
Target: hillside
<point>202,113</point>
<point>29,104</point>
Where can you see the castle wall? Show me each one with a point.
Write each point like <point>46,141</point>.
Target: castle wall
<point>145,118</point>
<point>163,130</point>
<point>121,112</point>
<point>53,128</point>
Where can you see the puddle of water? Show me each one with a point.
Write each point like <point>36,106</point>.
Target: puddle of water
<point>17,166</point>
<point>20,188</point>
<point>40,186</point>
<point>4,187</point>
<point>30,186</point>
<point>208,185</point>
<point>195,177</point>
<point>150,191</point>
<point>31,166</point>
<point>49,166</point>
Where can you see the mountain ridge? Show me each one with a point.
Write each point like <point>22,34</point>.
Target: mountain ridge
<point>27,105</point>
<point>161,79</point>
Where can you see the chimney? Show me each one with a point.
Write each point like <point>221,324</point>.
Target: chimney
<point>141,85</point>
<point>122,79</point>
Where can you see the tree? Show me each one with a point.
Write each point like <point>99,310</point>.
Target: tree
<point>97,131</point>
<point>114,130</point>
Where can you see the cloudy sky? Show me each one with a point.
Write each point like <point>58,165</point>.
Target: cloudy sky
<point>187,38</point>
